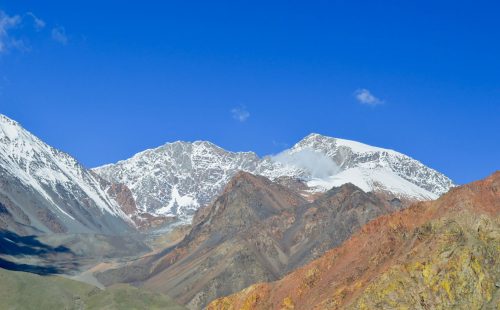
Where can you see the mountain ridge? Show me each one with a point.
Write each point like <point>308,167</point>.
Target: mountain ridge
<point>177,178</point>
<point>255,225</point>
<point>438,254</point>
<point>46,190</point>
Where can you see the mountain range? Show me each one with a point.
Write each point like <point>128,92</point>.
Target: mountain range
<point>178,178</point>
<point>327,224</point>
<point>255,225</point>
<point>58,194</point>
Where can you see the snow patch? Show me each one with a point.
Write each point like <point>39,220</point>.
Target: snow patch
<point>372,180</point>
<point>9,129</point>
<point>178,201</point>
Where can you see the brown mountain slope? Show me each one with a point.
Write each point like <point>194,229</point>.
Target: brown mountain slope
<point>443,254</point>
<point>208,262</point>
<point>255,231</point>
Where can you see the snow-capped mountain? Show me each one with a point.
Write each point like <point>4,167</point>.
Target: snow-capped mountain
<point>177,178</point>
<point>45,190</point>
<point>370,168</point>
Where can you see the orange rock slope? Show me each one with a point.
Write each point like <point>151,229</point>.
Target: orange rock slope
<point>443,254</point>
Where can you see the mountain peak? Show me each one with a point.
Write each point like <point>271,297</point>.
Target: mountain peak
<point>250,183</point>
<point>313,140</point>
<point>196,172</point>
<point>248,198</point>
<point>243,176</point>
<point>36,177</point>
<point>313,136</point>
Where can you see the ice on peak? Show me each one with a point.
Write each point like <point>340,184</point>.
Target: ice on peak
<point>313,136</point>
<point>359,147</point>
<point>315,139</point>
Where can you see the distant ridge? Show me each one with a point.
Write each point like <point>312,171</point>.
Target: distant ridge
<point>178,178</point>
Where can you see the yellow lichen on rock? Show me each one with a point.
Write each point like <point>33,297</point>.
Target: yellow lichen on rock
<point>288,304</point>
<point>221,304</point>
<point>464,278</point>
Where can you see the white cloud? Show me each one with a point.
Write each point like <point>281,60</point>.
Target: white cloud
<point>317,164</point>
<point>364,96</point>
<point>59,35</point>
<point>8,23</point>
<point>240,113</point>
<point>39,23</point>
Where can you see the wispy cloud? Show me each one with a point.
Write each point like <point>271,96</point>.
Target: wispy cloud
<point>59,35</point>
<point>8,23</point>
<point>12,24</point>
<point>240,113</point>
<point>38,22</point>
<point>316,163</point>
<point>364,96</point>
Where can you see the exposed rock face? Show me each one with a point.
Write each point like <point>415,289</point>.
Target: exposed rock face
<point>328,221</point>
<point>13,218</point>
<point>123,196</point>
<point>45,190</point>
<point>178,178</point>
<point>443,254</point>
<point>257,230</point>
<point>125,200</point>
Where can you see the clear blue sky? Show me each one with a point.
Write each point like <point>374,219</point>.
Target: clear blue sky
<point>103,80</point>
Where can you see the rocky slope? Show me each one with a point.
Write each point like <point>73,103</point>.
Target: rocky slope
<point>123,196</point>
<point>257,230</point>
<point>45,190</point>
<point>177,178</point>
<point>443,254</point>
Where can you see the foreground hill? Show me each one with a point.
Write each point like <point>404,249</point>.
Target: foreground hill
<point>257,230</point>
<point>443,254</point>
<point>20,290</point>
